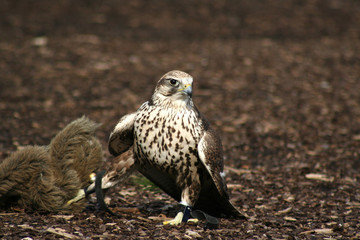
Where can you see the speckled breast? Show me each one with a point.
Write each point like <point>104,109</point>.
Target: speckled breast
<point>166,137</point>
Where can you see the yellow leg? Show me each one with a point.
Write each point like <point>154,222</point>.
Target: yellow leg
<point>194,220</point>
<point>178,219</point>
<point>80,195</point>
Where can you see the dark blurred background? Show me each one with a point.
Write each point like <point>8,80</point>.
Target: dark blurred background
<point>277,79</point>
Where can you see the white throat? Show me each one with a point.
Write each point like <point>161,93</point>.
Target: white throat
<point>174,101</point>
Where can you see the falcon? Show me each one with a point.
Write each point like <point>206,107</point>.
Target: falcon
<point>174,146</point>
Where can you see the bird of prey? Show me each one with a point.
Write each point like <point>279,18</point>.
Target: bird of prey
<point>175,147</point>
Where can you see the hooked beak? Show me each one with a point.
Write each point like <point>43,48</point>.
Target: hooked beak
<point>187,89</point>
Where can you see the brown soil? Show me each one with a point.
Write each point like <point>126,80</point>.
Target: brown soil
<point>279,81</point>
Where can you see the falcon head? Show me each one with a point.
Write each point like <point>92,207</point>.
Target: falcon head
<point>174,88</point>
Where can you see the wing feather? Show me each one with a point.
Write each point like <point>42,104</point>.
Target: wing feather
<point>211,155</point>
<point>122,137</point>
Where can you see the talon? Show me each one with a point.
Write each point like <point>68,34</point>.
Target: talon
<point>182,216</point>
<point>176,221</point>
<point>80,195</point>
<point>193,220</point>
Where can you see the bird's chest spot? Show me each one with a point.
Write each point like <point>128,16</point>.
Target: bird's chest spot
<point>165,137</point>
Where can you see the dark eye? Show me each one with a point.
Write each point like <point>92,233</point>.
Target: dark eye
<point>173,82</point>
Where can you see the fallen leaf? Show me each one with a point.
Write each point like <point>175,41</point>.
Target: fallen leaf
<point>39,41</point>
<point>229,129</point>
<point>290,219</point>
<point>110,224</point>
<point>356,137</point>
<point>319,231</point>
<point>234,186</point>
<point>312,153</point>
<point>8,214</point>
<point>291,198</point>
<point>143,219</point>
<point>129,210</point>
<point>287,210</point>
<point>127,192</point>
<point>161,217</point>
<point>193,234</point>
<point>319,176</point>
<point>61,232</point>
<point>26,226</point>
<point>242,120</point>
<point>66,217</point>
<point>237,171</point>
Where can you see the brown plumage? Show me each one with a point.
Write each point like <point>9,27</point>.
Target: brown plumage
<point>175,147</point>
<point>120,168</point>
<point>46,177</point>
